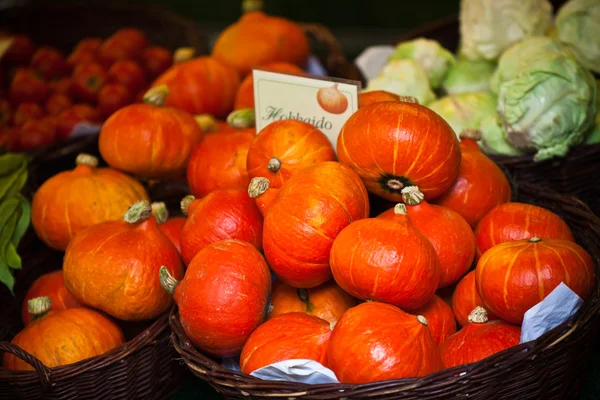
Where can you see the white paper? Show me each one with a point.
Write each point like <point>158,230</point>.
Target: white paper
<point>561,304</point>
<point>231,363</point>
<point>314,67</point>
<point>372,60</point>
<point>300,371</point>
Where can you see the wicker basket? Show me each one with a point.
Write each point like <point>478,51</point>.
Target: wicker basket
<point>551,367</point>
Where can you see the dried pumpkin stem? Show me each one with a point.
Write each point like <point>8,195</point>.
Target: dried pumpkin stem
<point>86,159</point>
<point>242,119</point>
<point>274,164</point>
<point>185,203</point>
<point>408,99</point>
<point>258,186</point>
<point>395,184</point>
<point>478,316</point>
<point>400,209</point>
<point>160,212</point>
<point>206,122</point>
<point>39,306</point>
<point>534,239</point>
<point>422,320</point>
<point>252,5</point>
<point>138,212</point>
<point>183,54</point>
<point>470,134</point>
<point>412,196</point>
<point>156,96</point>
<point>166,280</point>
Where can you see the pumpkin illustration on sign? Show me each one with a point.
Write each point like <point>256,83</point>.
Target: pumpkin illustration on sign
<point>332,100</point>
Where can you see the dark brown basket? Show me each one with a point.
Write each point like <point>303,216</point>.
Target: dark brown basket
<point>551,367</point>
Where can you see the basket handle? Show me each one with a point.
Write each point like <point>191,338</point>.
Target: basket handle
<point>42,371</point>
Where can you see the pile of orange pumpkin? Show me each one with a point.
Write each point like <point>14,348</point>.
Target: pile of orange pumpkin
<point>372,297</point>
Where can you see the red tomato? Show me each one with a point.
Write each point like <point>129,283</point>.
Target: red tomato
<point>113,96</point>
<point>50,63</point>
<point>131,37</point>
<point>87,81</point>
<point>27,86</point>
<point>38,133</point>
<point>128,73</point>
<point>9,138</point>
<point>156,60</point>
<point>88,44</point>
<point>57,103</point>
<point>27,112</point>
<point>82,57</point>
<point>62,86</point>
<point>72,116</point>
<point>5,112</point>
<point>20,51</point>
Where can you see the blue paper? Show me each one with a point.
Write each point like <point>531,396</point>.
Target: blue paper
<point>301,371</point>
<point>231,363</point>
<point>561,304</point>
<point>314,67</point>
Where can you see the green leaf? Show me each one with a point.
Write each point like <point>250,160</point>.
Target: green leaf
<point>6,277</point>
<point>12,257</point>
<point>11,162</point>
<point>23,221</point>
<point>5,236</point>
<point>13,183</point>
<point>8,208</point>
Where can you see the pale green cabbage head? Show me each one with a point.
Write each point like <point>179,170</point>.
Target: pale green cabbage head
<point>493,138</point>
<point>404,78</point>
<point>578,26</point>
<point>465,110</point>
<point>468,76</point>
<point>429,54</point>
<point>488,27</point>
<point>546,99</point>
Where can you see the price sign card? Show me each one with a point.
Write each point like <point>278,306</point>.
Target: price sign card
<point>326,103</point>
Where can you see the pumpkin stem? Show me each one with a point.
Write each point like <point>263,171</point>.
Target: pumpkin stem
<point>139,211</point>
<point>156,96</point>
<point>160,212</point>
<point>395,184</point>
<point>166,280</point>
<point>274,164</point>
<point>185,203</point>
<point>412,196</point>
<point>258,186</point>
<point>534,239</point>
<point>252,5</point>
<point>470,134</point>
<point>242,119</point>
<point>478,316</point>
<point>183,54</point>
<point>408,99</point>
<point>87,159</point>
<point>400,209</point>
<point>303,295</point>
<point>206,122</point>
<point>39,306</point>
<point>422,320</point>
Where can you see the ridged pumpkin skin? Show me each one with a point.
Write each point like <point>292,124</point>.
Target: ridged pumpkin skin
<point>223,214</point>
<point>514,276</point>
<point>149,141</point>
<point>386,260</point>
<point>476,341</point>
<point>223,297</point>
<point>245,94</point>
<point>51,285</point>
<point>311,209</point>
<point>65,337</point>
<point>71,201</point>
<point>219,162</point>
<point>284,147</point>
<point>465,298</point>
<point>113,267</point>
<point>376,341</point>
<point>327,301</point>
<point>257,39</point>
<point>440,319</point>
<point>479,187</point>
<point>516,221</point>
<point>392,145</point>
<point>287,337</point>
<point>376,96</point>
<point>172,229</point>
<point>203,85</point>
<point>448,232</point>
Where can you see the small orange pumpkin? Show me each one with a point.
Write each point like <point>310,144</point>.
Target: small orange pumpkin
<point>465,298</point>
<point>376,96</point>
<point>440,319</point>
<point>170,227</point>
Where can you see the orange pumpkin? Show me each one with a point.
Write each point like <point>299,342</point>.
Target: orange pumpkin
<point>245,94</point>
<point>392,145</point>
<point>63,337</point>
<point>480,185</point>
<point>170,227</point>
<point>386,260</point>
<point>259,189</point>
<point>51,285</point>
<point>376,96</point>
<point>257,39</point>
<point>290,336</point>
<point>284,147</point>
<point>149,140</point>
<point>223,297</point>
<point>440,319</point>
<point>203,85</point>
<point>384,341</point>
<point>223,214</point>
<point>113,266</point>
<point>478,339</point>
<point>326,301</point>
<point>448,232</point>
<point>301,224</point>
<point>465,298</point>
<point>515,221</point>
<point>73,200</point>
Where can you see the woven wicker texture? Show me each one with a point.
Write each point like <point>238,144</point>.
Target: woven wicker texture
<point>551,367</point>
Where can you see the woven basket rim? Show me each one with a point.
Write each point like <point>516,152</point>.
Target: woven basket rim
<point>214,373</point>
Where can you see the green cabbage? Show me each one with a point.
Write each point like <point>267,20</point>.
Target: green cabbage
<point>546,100</point>
<point>404,78</point>
<point>465,110</point>
<point>578,26</point>
<point>429,54</point>
<point>488,27</point>
<point>493,138</point>
<point>467,76</point>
